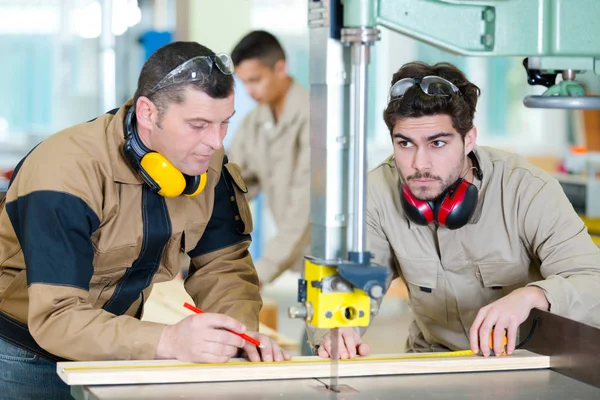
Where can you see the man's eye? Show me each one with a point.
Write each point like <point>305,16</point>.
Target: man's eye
<point>405,144</point>
<point>438,143</point>
<point>198,127</point>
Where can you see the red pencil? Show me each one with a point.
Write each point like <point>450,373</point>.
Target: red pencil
<point>242,335</point>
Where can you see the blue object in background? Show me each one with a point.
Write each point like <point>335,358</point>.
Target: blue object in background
<point>26,73</point>
<point>153,40</point>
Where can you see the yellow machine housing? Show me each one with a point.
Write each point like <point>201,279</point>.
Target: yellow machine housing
<point>330,308</point>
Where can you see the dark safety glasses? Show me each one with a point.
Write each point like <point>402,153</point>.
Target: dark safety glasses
<point>195,69</point>
<point>430,85</point>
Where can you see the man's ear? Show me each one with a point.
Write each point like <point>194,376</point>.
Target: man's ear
<point>146,113</point>
<point>470,139</point>
<point>280,68</point>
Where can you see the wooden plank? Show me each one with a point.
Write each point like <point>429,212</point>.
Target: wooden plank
<point>169,371</point>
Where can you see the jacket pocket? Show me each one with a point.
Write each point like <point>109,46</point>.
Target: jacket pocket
<point>501,278</point>
<point>427,289</point>
<point>243,215</point>
<point>115,258</point>
<point>10,352</point>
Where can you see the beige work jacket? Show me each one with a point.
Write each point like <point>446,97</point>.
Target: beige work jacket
<point>524,232</point>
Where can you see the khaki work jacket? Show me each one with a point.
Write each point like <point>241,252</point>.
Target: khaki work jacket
<point>524,232</point>
<point>82,241</point>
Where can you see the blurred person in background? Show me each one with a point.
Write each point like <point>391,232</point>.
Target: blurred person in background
<point>272,148</point>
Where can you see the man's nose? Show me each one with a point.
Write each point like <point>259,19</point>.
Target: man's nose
<point>213,138</point>
<point>421,160</point>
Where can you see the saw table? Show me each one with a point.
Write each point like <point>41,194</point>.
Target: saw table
<point>560,362</point>
<point>535,384</point>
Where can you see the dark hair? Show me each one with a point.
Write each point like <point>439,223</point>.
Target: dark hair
<point>414,103</point>
<point>167,58</point>
<point>260,45</point>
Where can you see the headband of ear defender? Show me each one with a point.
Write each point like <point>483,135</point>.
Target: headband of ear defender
<point>154,168</point>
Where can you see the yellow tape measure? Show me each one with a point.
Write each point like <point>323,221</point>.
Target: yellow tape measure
<point>459,353</point>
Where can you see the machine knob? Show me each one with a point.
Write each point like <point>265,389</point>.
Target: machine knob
<point>298,311</point>
<point>376,291</point>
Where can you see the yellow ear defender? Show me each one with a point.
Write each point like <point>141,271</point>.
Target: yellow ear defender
<point>154,168</point>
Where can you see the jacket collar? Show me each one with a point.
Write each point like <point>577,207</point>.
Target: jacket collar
<point>123,172</point>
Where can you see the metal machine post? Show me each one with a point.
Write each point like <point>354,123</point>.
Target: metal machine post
<point>339,283</point>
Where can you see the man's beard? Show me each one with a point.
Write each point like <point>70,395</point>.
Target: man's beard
<point>428,193</point>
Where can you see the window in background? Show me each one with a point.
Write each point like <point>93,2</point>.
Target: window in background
<point>50,74</point>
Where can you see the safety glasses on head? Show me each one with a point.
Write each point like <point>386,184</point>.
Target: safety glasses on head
<point>195,69</point>
<point>430,85</point>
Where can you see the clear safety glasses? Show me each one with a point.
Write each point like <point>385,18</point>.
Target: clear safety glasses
<point>430,85</point>
<point>195,69</point>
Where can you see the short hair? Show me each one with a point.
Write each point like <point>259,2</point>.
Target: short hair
<point>259,45</point>
<point>169,57</point>
<point>414,103</point>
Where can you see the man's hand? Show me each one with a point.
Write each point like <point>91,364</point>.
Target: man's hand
<point>506,313</point>
<point>201,338</point>
<point>350,345</point>
<point>271,351</point>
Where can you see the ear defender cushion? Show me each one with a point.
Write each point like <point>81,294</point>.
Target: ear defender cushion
<point>194,184</point>
<point>458,205</point>
<point>418,211</point>
<point>167,177</point>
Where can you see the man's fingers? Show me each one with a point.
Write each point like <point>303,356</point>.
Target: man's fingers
<point>363,349</point>
<point>277,355</point>
<point>252,352</point>
<point>322,352</point>
<point>349,339</point>
<point>223,321</point>
<point>511,335</point>
<point>210,358</point>
<point>225,337</point>
<point>267,351</point>
<point>484,333</point>
<point>474,331</point>
<point>219,349</point>
<point>286,355</point>
<point>498,335</point>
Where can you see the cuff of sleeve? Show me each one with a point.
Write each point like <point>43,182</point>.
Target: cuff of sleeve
<point>551,287</point>
<point>145,340</point>
<point>315,336</point>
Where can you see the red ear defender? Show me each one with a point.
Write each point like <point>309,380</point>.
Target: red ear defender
<point>418,211</point>
<point>457,205</point>
<point>452,209</point>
